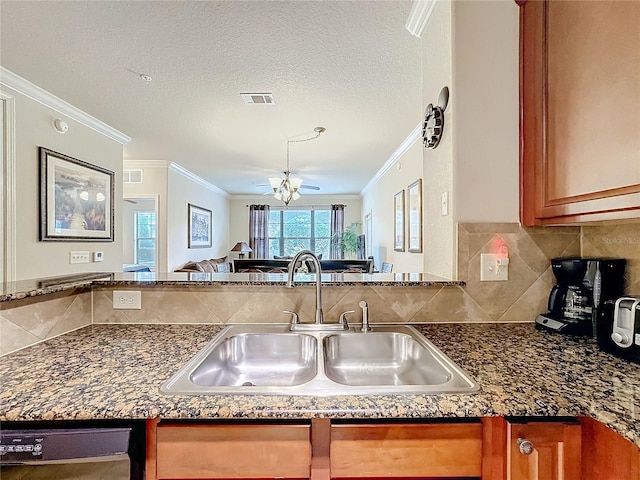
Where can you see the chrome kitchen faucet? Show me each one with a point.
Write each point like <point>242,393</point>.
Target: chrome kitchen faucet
<point>319,321</point>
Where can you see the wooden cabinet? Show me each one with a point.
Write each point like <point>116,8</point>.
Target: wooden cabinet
<point>544,451</point>
<point>206,451</point>
<point>492,448</point>
<point>406,450</point>
<point>580,111</point>
<point>606,455</point>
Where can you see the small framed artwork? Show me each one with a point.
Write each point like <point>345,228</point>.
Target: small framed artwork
<point>199,227</point>
<point>76,199</point>
<point>414,192</point>
<point>398,223</point>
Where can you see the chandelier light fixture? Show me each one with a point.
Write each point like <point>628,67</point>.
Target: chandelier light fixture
<point>286,189</point>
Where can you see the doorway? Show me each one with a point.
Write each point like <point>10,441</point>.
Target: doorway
<point>140,233</point>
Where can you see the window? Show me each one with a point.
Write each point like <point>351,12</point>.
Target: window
<point>292,230</point>
<point>145,238</point>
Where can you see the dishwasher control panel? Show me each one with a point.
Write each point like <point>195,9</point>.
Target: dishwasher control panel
<point>56,445</point>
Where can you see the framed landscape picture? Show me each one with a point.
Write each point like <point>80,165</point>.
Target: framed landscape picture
<point>415,216</point>
<point>76,199</point>
<point>199,227</point>
<point>398,222</point>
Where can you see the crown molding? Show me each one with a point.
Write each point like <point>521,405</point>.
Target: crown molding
<point>407,143</point>
<point>419,15</point>
<point>28,89</point>
<point>145,163</point>
<point>195,178</point>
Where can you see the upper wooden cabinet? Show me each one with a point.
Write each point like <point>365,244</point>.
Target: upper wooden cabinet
<point>580,111</point>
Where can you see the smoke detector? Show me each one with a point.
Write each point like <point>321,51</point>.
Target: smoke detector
<point>258,98</point>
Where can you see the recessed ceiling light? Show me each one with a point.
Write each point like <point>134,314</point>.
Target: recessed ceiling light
<point>258,98</point>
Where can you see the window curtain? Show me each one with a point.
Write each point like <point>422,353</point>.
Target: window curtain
<point>259,231</point>
<point>337,229</point>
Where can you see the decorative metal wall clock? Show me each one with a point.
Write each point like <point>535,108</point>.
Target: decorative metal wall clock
<point>433,124</point>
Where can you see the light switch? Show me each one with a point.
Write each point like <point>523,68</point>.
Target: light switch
<point>78,257</point>
<point>444,204</point>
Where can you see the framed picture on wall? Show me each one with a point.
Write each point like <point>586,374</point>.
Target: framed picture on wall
<point>199,227</point>
<point>76,199</point>
<point>415,216</point>
<point>398,222</point>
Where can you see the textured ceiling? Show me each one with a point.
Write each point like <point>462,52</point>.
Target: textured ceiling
<point>349,66</point>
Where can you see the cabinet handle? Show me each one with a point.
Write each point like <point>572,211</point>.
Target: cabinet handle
<point>525,446</point>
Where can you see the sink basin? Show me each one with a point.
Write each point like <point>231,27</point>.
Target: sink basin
<point>259,359</point>
<point>270,360</point>
<point>384,358</point>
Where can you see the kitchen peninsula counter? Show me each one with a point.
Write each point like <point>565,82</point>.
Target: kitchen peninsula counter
<point>115,372</point>
<point>83,282</point>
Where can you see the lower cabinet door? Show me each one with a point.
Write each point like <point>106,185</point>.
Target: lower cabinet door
<point>544,451</point>
<point>406,450</point>
<point>210,451</point>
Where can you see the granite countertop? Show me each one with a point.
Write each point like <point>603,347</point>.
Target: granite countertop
<point>31,288</point>
<point>115,371</point>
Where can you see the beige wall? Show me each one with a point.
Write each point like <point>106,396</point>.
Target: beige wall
<point>181,192</point>
<point>486,111</point>
<point>154,183</point>
<point>174,191</point>
<point>439,230</point>
<point>35,259</point>
<point>476,162</point>
<point>239,211</point>
<point>378,200</point>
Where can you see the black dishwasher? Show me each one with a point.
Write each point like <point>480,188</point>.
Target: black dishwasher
<point>72,450</point>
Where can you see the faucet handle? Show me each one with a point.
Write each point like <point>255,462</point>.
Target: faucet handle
<point>343,318</point>
<point>295,319</point>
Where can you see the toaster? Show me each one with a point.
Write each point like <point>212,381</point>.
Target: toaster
<point>618,327</point>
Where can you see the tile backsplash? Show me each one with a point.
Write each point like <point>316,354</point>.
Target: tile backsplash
<point>35,319</point>
<point>520,298</point>
<point>620,241</point>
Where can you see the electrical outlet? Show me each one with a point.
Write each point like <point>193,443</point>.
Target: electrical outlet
<point>98,256</point>
<point>493,267</point>
<point>127,299</point>
<point>78,257</point>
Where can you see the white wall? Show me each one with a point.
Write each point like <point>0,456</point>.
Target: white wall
<point>486,56</point>
<point>378,200</point>
<point>439,230</point>
<point>239,211</point>
<point>182,191</point>
<point>36,259</point>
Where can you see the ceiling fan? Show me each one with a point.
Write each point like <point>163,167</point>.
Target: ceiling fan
<point>286,188</point>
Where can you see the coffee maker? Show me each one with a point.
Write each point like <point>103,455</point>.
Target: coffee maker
<point>582,287</point>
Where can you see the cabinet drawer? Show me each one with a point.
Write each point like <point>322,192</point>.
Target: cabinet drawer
<point>406,450</point>
<point>238,451</point>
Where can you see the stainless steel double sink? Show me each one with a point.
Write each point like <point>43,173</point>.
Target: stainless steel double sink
<point>268,359</point>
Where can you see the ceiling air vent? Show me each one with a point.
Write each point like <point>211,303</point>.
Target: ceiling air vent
<point>131,176</point>
<point>258,98</point>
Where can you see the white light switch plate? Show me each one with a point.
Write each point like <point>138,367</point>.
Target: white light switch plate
<point>490,270</point>
<point>78,257</point>
<point>444,204</point>
<point>127,299</point>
